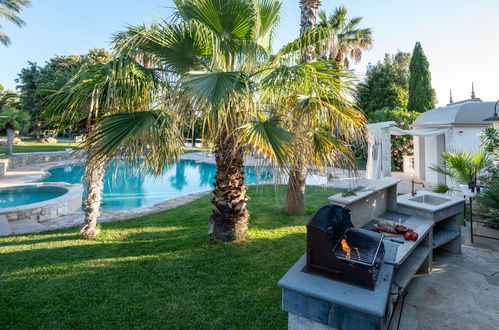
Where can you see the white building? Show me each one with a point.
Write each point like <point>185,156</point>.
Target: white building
<point>461,121</point>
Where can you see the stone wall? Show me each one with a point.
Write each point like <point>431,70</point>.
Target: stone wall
<point>68,203</point>
<point>14,162</point>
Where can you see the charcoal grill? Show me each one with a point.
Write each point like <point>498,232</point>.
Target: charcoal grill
<point>327,229</point>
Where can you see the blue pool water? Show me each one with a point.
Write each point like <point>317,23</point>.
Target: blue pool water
<point>28,195</point>
<point>126,188</point>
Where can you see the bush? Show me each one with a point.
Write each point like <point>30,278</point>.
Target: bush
<point>489,197</point>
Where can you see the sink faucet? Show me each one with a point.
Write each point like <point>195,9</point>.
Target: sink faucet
<point>413,192</point>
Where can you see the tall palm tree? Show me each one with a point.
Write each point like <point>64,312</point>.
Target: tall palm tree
<point>10,11</point>
<point>349,40</point>
<point>96,90</point>
<point>308,20</point>
<point>295,198</point>
<point>215,57</point>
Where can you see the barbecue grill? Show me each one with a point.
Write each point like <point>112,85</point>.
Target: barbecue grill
<point>337,250</point>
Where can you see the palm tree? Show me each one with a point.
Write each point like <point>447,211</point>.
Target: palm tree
<point>12,119</point>
<point>295,198</point>
<point>324,125</point>
<point>215,58</point>
<point>96,90</point>
<point>349,40</point>
<point>308,19</point>
<point>463,166</point>
<point>10,11</point>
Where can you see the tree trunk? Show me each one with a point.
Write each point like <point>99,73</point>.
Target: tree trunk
<point>25,130</point>
<point>94,173</point>
<point>295,198</point>
<point>11,135</point>
<point>229,220</point>
<point>36,130</point>
<point>308,10</point>
<point>193,144</point>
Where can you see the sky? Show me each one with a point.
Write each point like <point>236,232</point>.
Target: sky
<point>460,38</point>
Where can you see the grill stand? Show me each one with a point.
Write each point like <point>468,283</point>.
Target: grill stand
<point>316,302</point>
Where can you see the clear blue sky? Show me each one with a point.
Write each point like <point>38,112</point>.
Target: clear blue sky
<point>460,38</point>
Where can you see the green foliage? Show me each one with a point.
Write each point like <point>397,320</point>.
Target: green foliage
<point>489,197</point>
<point>10,11</point>
<point>31,99</point>
<point>8,98</point>
<point>442,188</point>
<point>401,145</point>
<point>490,140</point>
<point>421,95</point>
<point>220,68</point>
<point>37,83</point>
<point>352,191</point>
<point>385,85</point>
<point>349,40</point>
<point>13,117</point>
<point>156,271</point>
<point>464,166</point>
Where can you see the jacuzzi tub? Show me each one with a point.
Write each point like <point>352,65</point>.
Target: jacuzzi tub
<point>17,196</point>
<point>40,201</point>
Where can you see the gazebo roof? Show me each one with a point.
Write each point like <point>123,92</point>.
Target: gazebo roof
<point>470,112</point>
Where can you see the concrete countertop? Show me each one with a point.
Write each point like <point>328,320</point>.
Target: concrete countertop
<point>344,294</point>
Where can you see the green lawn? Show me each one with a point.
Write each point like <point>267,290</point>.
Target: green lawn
<point>158,271</point>
<point>31,145</point>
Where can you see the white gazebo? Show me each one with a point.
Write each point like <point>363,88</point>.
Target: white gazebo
<point>379,146</point>
<point>453,127</point>
<point>462,123</point>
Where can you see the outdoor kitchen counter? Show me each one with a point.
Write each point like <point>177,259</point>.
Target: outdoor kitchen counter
<point>336,304</point>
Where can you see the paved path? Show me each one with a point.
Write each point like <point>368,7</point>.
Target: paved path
<point>462,292</point>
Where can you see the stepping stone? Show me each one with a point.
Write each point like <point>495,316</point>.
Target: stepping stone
<point>5,228</point>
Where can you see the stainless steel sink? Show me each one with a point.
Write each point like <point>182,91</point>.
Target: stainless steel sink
<point>429,199</point>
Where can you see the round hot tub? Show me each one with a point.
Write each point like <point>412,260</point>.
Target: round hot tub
<point>16,196</point>
<point>40,201</point>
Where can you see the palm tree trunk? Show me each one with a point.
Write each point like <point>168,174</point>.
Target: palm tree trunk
<point>94,173</point>
<point>36,130</point>
<point>229,220</point>
<point>11,135</point>
<point>295,198</point>
<point>308,9</point>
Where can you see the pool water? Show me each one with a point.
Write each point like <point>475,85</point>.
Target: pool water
<point>127,188</point>
<point>28,195</point>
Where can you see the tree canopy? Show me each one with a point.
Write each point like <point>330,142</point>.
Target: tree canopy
<point>36,83</point>
<point>421,94</point>
<point>385,84</point>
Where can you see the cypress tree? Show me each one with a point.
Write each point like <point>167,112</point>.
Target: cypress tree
<point>421,94</point>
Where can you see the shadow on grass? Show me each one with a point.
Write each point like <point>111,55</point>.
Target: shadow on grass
<point>157,271</point>
<point>206,286</point>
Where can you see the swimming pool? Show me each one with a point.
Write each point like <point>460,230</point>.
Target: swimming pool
<point>18,196</point>
<point>126,188</point>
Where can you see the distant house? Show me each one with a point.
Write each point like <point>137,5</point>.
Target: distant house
<point>461,121</point>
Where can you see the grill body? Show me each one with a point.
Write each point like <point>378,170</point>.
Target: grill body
<point>325,256</point>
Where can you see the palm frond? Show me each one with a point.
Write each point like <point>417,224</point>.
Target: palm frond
<point>267,136</point>
<point>146,137</point>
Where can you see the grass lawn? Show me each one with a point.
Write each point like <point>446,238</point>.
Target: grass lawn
<point>32,145</point>
<point>158,271</point>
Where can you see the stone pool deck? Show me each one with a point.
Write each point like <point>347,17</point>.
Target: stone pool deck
<point>462,292</point>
